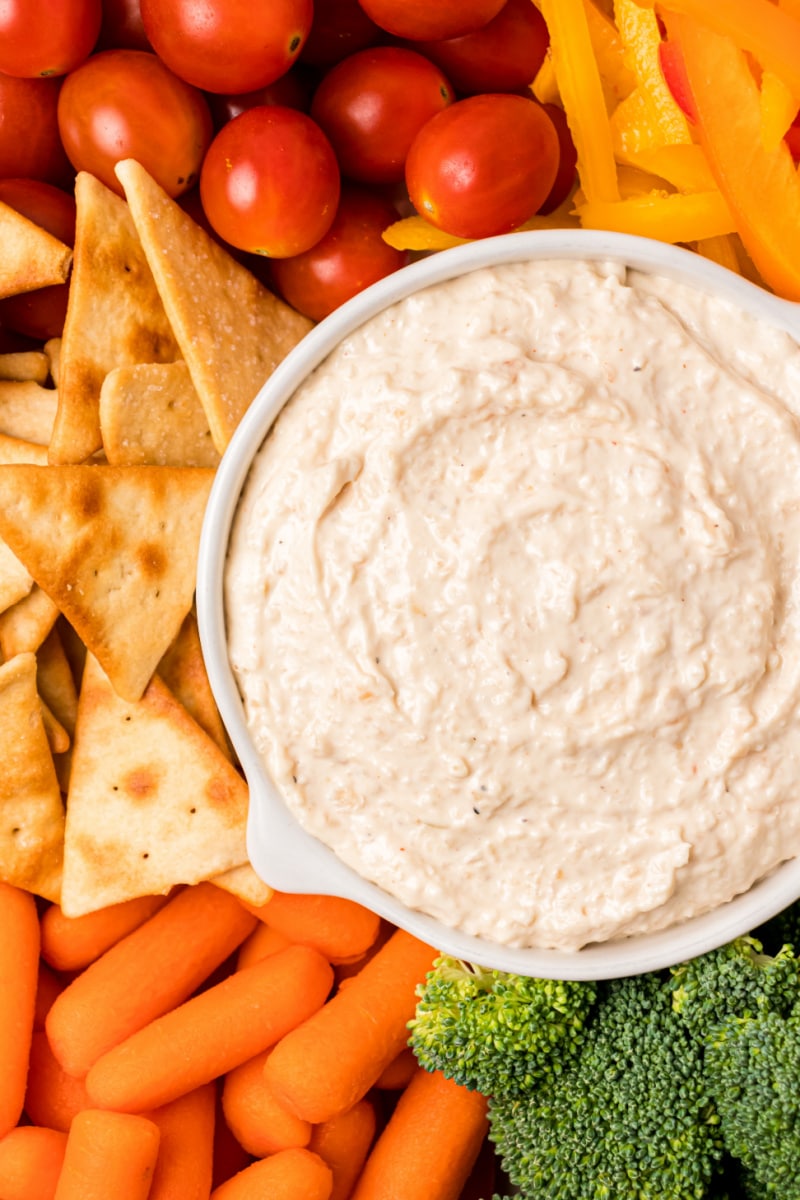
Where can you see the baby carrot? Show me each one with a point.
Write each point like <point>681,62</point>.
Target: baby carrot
<point>186,1149</point>
<point>30,1163</point>
<point>328,1063</point>
<point>108,1155</point>
<point>263,941</point>
<point>398,1073</point>
<point>71,943</point>
<point>146,974</point>
<point>289,1175</point>
<point>343,1143</point>
<point>340,929</point>
<point>428,1148</point>
<point>19,974</point>
<point>229,1156</point>
<point>53,1098</point>
<point>211,1033</point>
<point>47,988</point>
<point>257,1119</point>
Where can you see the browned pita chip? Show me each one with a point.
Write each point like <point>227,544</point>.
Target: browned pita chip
<point>243,883</point>
<point>25,366</point>
<point>232,332</point>
<point>15,581</point>
<point>17,450</point>
<point>150,413</point>
<point>115,548</point>
<point>152,801</point>
<point>27,411</point>
<point>25,625</point>
<point>53,351</point>
<point>31,812</point>
<point>57,737</point>
<point>183,670</point>
<point>114,317</point>
<point>29,257</point>
<point>55,682</point>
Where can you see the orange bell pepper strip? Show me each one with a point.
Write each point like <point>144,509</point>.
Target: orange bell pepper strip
<point>667,218</point>
<point>761,186</point>
<point>581,91</point>
<point>779,104</point>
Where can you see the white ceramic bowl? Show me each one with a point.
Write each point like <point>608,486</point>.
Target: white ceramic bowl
<point>282,852</point>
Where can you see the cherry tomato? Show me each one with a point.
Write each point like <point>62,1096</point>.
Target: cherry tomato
<point>39,314</point>
<point>567,160</point>
<point>122,28</point>
<point>31,105</point>
<point>431,20</point>
<point>292,90</point>
<point>270,182</point>
<point>126,104</point>
<point>484,165</point>
<point>502,56</point>
<point>340,27</point>
<point>41,38</point>
<point>374,104</point>
<point>350,256</point>
<point>228,45</point>
<point>673,68</point>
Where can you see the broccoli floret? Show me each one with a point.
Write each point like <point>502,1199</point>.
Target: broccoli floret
<point>494,1032</point>
<point>736,980</point>
<point>752,1066</point>
<point>630,1118</point>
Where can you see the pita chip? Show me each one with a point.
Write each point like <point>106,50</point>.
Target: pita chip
<point>114,317</point>
<point>25,625</point>
<point>31,811</point>
<point>29,256</point>
<point>15,581</point>
<point>55,681</point>
<point>243,883</point>
<point>58,739</point>
<point>183,670</point>
<point>25,366</point>
<point>52,350</point>
<point>27,411</point>
<point>232,332</point>
<point>115,548</point>
<point>151,413</point>
<point>152,801</point>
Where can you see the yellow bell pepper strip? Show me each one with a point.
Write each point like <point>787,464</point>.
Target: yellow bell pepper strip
<point>778,110</point>
<point>641,38</point>
<point>633,181</point>
<point>545,85</point>
<point>685,167</point>
<point>616,76</point>
<point>760,185</point>
<point>415,233</point>
<point>667,218</point>
<point>582,95</point>
<point>769,33</point>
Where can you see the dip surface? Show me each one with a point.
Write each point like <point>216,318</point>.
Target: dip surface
<point>513,602</point>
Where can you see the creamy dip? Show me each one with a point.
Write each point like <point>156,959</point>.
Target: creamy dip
<point>513,602</point>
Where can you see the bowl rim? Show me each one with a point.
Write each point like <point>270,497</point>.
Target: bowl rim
<point>281,851</point>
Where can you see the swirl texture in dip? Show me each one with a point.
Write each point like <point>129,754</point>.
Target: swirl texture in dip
<point>513,602</point>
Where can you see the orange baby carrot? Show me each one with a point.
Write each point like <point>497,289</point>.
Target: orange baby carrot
<point>146,974</point>
<point>289,1175</point>
<point>30,1163</point>
<point>346,970</point>
<point>47,988</point>
<point>428,1148</point>
<point>108,1155</point>
<point>343,1143</point>
<point>53,1098</point>
<point>399,1072</point>
<point>211,1033</point>
<point>186,1150</point>
<point>340,929</point>
<point>263,941</point>
<point>256,1117</point>
<point>328,1063</point>
<point>229,1156</point>
<point>71,943</point>
<point>19,975</point>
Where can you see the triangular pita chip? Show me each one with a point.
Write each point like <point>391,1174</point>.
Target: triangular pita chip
<point>183,670</point>
<point>115,548</point>
<point>57,737</point>
<point>243,883</point>
<point>232,331</point>
<point>53,351</point>
<point>55,681</point>
<point>114,317</point>
<point>25,366</point>
<point>15,581</point>
<point>31,811</point>
<point>27,411</point>
<point>29,256</point>
<point>151,413</point>
<point>152,801</point>
<point>25,625</point>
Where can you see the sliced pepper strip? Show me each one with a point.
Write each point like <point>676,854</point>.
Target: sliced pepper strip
<point>545,85</point>
<point>641,37</point>
<point>720,250</point>
<point>667,218</point>
<point>582,94</point>
<point>760,185</point>
<point>685,167</point>
<point>415,233</point>
<point>778,110</point>
<point>617,78</point>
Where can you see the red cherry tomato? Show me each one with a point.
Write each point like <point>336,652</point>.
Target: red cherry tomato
<point>270,182</point>
<point>484,165</point>
<point>431,20</point>
<point>341,27</point>
<point>567,160</point>
<point>31,105</point>
<point>502,56</point>
<point>351,256</point>
<point>292,90</point>
<point>228,45</point>
<point>126,104</point>
<point>122,28</point>
<point>374,104</point>
<point>39,314</point>
<point>38,37</point>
